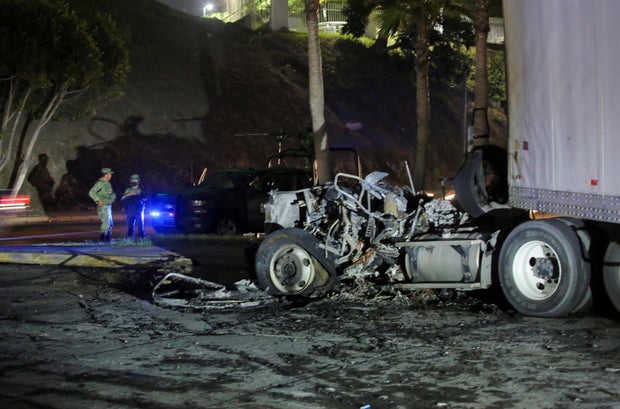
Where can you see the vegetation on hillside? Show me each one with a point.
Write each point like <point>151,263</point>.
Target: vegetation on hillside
<point>56,63</point>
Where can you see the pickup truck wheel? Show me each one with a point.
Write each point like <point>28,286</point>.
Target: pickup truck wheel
<point>226,227</point>
<point>163,230</point>
<point>611,274</point>
<point>285,267</point>
<point>186,227</point>
<point>541,269</point>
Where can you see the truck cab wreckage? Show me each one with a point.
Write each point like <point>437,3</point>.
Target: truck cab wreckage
<point>368,227</point>
<point>371,229</point>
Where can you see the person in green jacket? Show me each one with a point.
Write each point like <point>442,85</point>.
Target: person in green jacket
<point>103,195</point>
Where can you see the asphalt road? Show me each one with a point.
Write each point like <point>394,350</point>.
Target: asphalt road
<point>93,338</point>
<point>62,228</point>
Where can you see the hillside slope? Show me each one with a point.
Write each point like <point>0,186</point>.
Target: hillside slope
<point>206,94</point>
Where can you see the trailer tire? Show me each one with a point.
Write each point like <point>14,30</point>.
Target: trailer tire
<point>287,264</point>
<point>542,271</point>
<point>611,274</point>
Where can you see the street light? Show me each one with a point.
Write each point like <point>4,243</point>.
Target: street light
<point>207,9</point>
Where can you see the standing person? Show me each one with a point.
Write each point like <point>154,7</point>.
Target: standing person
<point>133,201</point>
<point>103,194</point>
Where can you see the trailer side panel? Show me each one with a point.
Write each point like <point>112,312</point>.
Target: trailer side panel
<point>564,106</point>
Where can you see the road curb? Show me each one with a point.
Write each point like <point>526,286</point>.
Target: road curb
<point>10,220</point>
<point>86,256</point>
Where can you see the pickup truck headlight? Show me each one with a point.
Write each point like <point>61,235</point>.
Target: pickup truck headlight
<point>198,206</point>
<point>198,203</point>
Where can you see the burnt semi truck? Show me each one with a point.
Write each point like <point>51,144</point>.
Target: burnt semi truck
<point>540,219</point>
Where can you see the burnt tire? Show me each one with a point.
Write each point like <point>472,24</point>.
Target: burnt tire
<point>288,263</point>
<point>611,274</point>
<point>542,271</point>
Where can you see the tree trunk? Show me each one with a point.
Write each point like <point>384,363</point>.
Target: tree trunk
<point>6,150</point>
<point>21,170</point>
<point>481,86</point>
<point>316,92</point>
<point>423,102</point>
<point>19,153</point>
<point>21,162</point>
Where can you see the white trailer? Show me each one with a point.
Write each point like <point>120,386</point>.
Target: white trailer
<point>563,65</point>
<point>541,219</point>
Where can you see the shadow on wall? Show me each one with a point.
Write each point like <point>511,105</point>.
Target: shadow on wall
<point>41,179</point>
<point>163,161</point>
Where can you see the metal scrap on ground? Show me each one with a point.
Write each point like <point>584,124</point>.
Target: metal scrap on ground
<point>180,290</point>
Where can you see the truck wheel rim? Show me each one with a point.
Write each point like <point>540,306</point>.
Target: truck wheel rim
<point>292,269</point>
<point>536,270</point>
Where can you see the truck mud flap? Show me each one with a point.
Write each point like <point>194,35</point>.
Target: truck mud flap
<point>482,180</point>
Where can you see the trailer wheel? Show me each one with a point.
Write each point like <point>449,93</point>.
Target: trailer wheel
<point>285,265</point>
<point>541,269</point>
<point>611,274</point>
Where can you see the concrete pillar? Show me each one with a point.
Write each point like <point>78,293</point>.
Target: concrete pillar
<point>279,15</point>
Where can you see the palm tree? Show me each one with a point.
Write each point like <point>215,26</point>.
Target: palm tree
<point>316,92</point>
<point>481,85</point>
<point>419,17</point>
